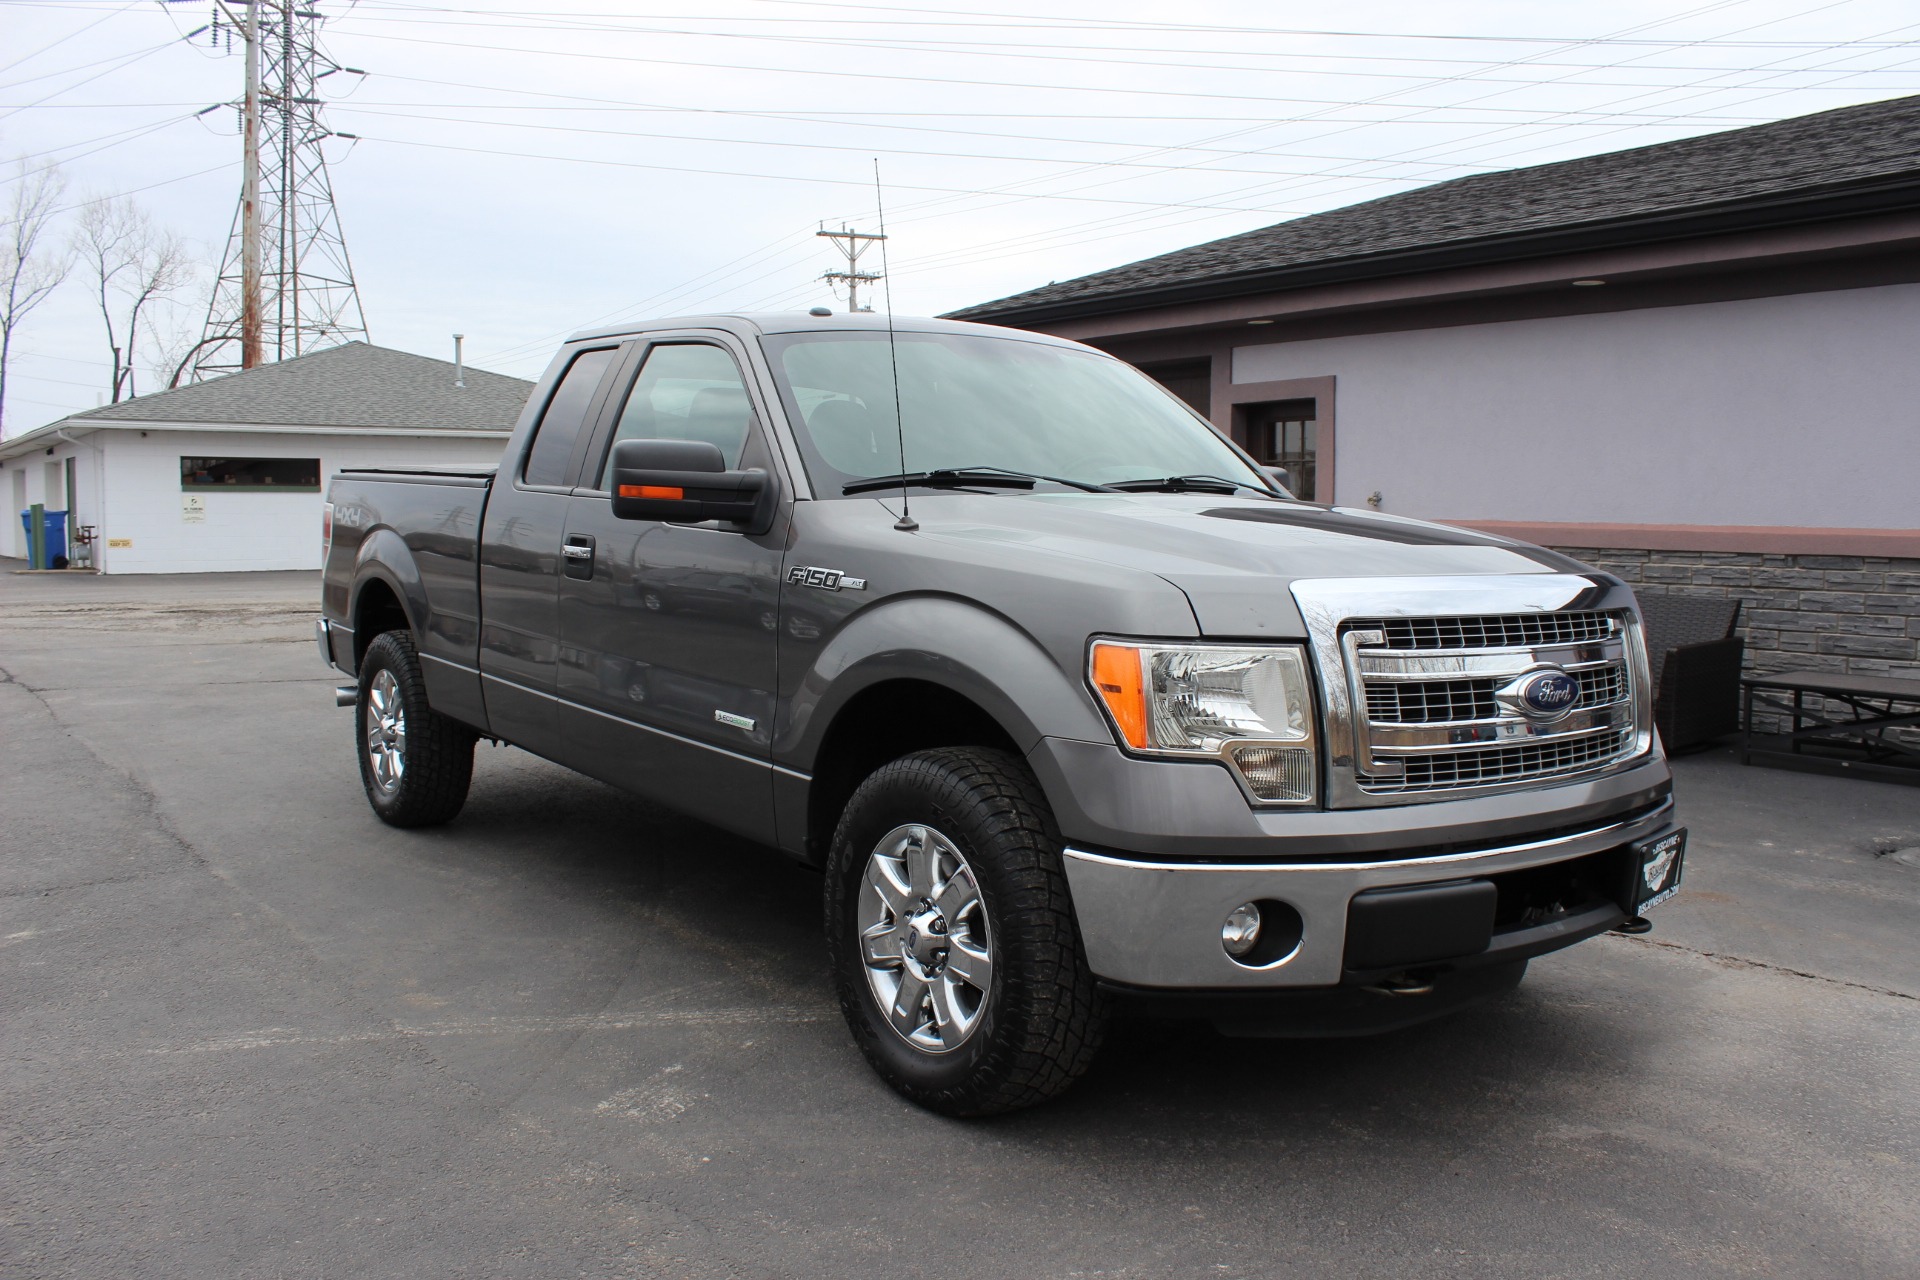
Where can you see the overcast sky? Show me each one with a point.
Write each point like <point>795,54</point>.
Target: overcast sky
<point>527,167</point>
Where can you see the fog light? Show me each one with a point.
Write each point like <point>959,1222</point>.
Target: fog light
<point>1241,932</point>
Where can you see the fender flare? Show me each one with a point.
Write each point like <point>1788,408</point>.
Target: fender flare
<point>1005,671</point>
<point>384,556</point>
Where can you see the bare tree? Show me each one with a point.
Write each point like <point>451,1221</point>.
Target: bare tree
<point>29,269</point>
<point>131,265</point>
<point>175,328</point>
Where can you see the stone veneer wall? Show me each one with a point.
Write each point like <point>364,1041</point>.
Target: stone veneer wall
<point>1853,614</point>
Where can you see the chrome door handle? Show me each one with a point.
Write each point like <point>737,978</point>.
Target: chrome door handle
<point>576,556</point>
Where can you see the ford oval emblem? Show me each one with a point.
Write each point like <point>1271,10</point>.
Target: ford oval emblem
<point>1548,693</point>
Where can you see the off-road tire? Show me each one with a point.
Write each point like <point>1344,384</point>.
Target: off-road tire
<point>438,755</point>
<point>1044,1018</point>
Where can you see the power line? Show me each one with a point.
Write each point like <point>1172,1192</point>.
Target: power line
<point>1250,192</point>
<point>663,298</point>
<point>77,31</point>
<point>1053,22</point>
<point>769,177</point>
<point>917,79</point>
<point>819,146</point>
<point>118,138</point>
<point>998,50</point>
<point>1021,189</point>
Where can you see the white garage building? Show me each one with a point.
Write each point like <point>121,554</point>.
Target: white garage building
<point>230,474</point>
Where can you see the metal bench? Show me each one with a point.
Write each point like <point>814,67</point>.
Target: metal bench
<point>1695,657</point>
<point>1855,739</point>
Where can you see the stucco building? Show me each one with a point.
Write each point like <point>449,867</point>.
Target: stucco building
<point>1696,364</point>
<point>230,474</point>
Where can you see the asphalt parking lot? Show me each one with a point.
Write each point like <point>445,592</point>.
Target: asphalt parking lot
<point>249,1031</point>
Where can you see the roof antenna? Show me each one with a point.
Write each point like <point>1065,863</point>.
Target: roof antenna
<point>906,523</point>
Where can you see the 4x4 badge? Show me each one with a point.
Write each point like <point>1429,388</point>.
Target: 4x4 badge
<point>825,579</point>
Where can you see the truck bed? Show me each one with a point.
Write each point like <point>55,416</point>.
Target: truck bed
<point>437,513</point>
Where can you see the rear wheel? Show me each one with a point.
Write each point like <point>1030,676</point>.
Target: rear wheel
<point>415,763</point>
<point>954,949</point>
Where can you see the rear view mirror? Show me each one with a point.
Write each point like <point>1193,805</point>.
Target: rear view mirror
<point>687,481</point>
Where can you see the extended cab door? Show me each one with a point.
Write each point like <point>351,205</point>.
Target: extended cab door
<point>669,631</point>
<point>520,554</point>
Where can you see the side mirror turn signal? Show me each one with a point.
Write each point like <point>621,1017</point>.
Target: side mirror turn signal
<point>686,482</point>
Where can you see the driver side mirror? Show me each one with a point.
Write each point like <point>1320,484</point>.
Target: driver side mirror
<point>687,481</point>
<point>1281,477</point>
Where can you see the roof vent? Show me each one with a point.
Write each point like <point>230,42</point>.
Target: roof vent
<point>459,364</point>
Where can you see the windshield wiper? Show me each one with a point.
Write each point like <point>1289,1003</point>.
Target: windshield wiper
<point>999,477</point>
<point>1190,484</point>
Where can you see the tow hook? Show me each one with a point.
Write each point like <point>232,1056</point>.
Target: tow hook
<point>1634,926</point>
<point>346,695</point>
<point>1401,984</point>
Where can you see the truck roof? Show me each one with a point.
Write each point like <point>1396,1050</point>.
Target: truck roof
<point>759,322</point>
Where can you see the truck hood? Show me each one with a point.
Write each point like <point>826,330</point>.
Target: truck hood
<point>1234,558</point>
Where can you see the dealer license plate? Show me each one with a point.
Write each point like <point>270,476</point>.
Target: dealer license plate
<point>1658,869</point>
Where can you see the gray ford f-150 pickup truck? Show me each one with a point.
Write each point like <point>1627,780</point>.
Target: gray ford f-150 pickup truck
<point>1072,703</point>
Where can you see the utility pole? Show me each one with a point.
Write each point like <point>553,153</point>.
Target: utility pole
<point>852,244</point>
<point>286,285</point>
<point>250,198</point>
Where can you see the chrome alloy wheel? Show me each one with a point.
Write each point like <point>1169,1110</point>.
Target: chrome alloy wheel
<point>924,938</point>
<point>386,732</point>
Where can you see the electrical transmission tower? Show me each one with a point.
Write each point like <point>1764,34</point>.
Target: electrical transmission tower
<point>852,244</point>
<point>286,285</point>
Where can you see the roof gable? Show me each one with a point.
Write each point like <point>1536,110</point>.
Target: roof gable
<point>1832,150</point>
<point>352,385</point>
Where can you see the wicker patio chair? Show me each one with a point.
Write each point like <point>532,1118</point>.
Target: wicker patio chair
<point>1696,658</point>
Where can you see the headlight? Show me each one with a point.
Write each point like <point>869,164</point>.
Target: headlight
<point>1251,706</point>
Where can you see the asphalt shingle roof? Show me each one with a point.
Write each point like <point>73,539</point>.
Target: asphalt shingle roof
<point>353,385</point>
<point>1832,149</point>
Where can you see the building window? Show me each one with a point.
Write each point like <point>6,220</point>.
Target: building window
<point>1191,380</point>
<point>301,475</point>
<point>1283,433</point>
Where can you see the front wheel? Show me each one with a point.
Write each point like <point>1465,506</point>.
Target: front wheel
<point>415,763</point>
<point>952,938</point>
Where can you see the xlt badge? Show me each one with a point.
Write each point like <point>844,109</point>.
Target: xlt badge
<point>825,579</point>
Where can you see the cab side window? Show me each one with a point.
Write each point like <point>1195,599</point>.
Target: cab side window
<point>566,414</point>
<point>686,391</point>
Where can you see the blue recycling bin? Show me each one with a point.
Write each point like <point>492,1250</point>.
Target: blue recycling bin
<point>56,523</point>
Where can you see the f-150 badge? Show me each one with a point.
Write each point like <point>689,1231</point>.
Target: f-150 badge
<point>825,579</point>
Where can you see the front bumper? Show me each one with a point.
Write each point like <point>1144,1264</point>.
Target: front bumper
<point>1157,924</point>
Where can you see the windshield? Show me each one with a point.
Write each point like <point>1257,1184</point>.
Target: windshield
<point>974,401</point>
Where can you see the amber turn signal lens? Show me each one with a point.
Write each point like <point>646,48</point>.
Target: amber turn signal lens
<point>652,491</point>
<point>1117,678</point>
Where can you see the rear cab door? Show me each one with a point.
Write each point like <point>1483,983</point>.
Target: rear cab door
<point>521,551</point>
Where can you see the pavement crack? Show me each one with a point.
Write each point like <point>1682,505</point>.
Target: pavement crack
<point>149,801</point>
<point>1743,962</point>
<point>48,890</point>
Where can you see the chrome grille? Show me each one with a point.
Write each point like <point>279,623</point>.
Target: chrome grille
<point>1493,631</point>
<point>1446,701</point>
<point>1601,685</point>
<point>1442,711</point>
<point>1431,701</point>
<point>1509,764</point>
<point>1428,692</point>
